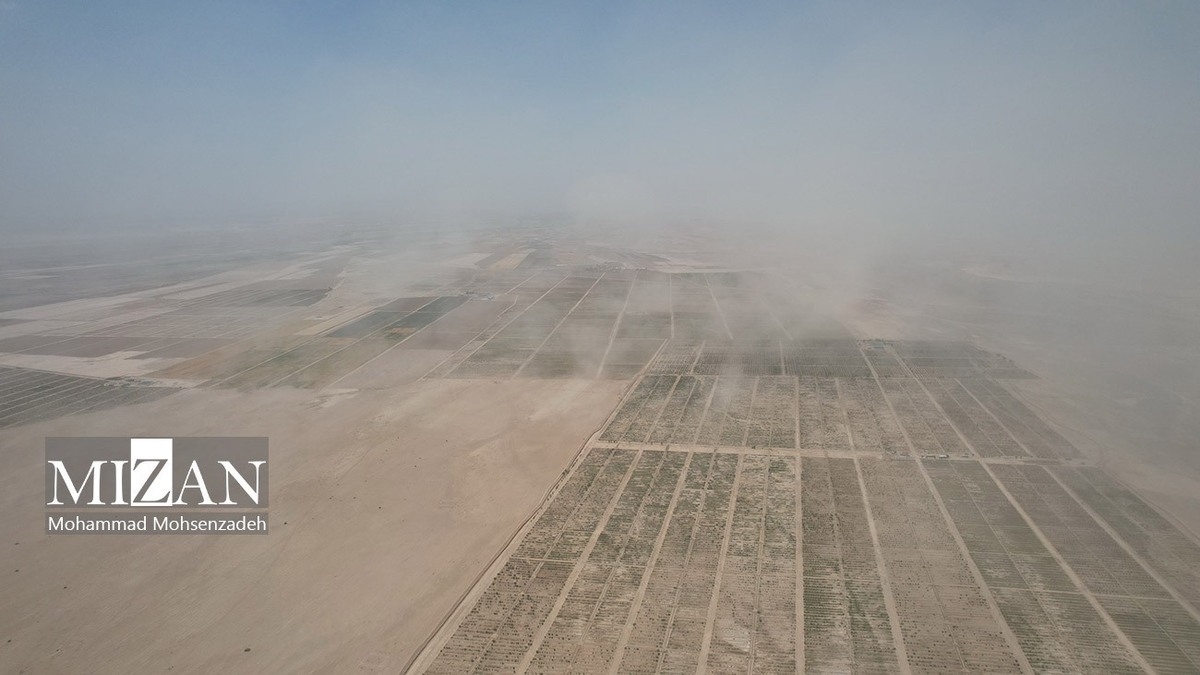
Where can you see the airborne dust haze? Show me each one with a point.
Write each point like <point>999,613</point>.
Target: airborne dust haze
<point>1023,174</point>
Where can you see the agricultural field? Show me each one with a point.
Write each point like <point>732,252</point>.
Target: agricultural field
<point>760,490</point>
<point>831,506</point>
<point>30,395</point>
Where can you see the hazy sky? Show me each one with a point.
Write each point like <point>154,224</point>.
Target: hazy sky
<point>1068,119</point>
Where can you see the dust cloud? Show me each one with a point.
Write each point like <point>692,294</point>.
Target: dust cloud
<point>1018,175</point>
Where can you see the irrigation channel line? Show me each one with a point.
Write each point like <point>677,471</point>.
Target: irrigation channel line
<point>1128,549</point>
<point>1075,579</point>
<point>904,366</point>
<point>440,636</point>
<point>885,580</point>
<point>577,568</point>
<point>799,571</point>
<point>619,651</point>
<point>671,301</point>
<point>841,399</point>
<point>500,316</point>
<point>1009,636</point>
<point>720,313</point>
<point>762,533</point>
<point>489,327</point>
<point>748,420</point>
<point>662,409</point>
<point>796,416</point>
<point>988,410</point>
<point>55,391</point>
<point>708,401</point>
<point>687,561</point>
<point>710,621</point>
<point>557,325</point>
<point>253,337</point>
<point>612,334</point>
<point>608,581</point>
<point>363,338</point>
<point>1042,537</point>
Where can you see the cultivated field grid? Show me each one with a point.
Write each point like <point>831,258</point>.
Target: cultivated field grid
<point>771,495</point>
<point>722,334</point>
<point>32,395</point>
<point>740,514</point>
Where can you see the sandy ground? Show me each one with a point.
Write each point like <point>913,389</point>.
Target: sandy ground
<point>385,505</point>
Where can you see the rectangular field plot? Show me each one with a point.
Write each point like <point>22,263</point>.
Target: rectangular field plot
<point>91,347</point>
<point>1101,563</point>
<point>686,355</point>
<point>28,396</point>
<point>698,325</point>
<point>754,627</point>
<point>366,325</point>
<point>773,413</point>
<point>640,410</point>
<point>336,365</point>
<point>944,614</point>
<point>667,628</point>
<point>656,561</point>
<point>490,366</point>
<point>1168,551</point>
<point>200,321</point>
<point>23,343</point>
<point>811,324</point>
<point>973,421</point>
<point>651,292</point>
<point>873,427</point>
<point>928,430</point>
<point>575,330</point>
<point>728,412</point>
<point>503,355</point>
<point>711,411</point>
<point>265,297</point>
<point>955,359</point>
<point>764,350</point>
<point>824,358</point>
<point>847,414</point>
<point>1063,633</point>
<point>279,367</point>
<point>626,358</point>
<point>181,348</point>
<point>883,362</point>
<point>1024,425</point>
<point>739,358</point>
<point>647,561</point>
<point>822,421</point>
<point>1058,629</point>
<point>846,624</point>
<point>677,357</point>
<point>500,627</point>
<point>408,325</point>
<point>406,305</point>
<point>1161,629</point>
<point>1163,632</point>
<point>682,414</point>
<point>645,325</point>
<point>549,363</point>
<point>597,604</point>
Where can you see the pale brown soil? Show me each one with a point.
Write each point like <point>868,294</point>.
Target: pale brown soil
<point>385,505</point>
